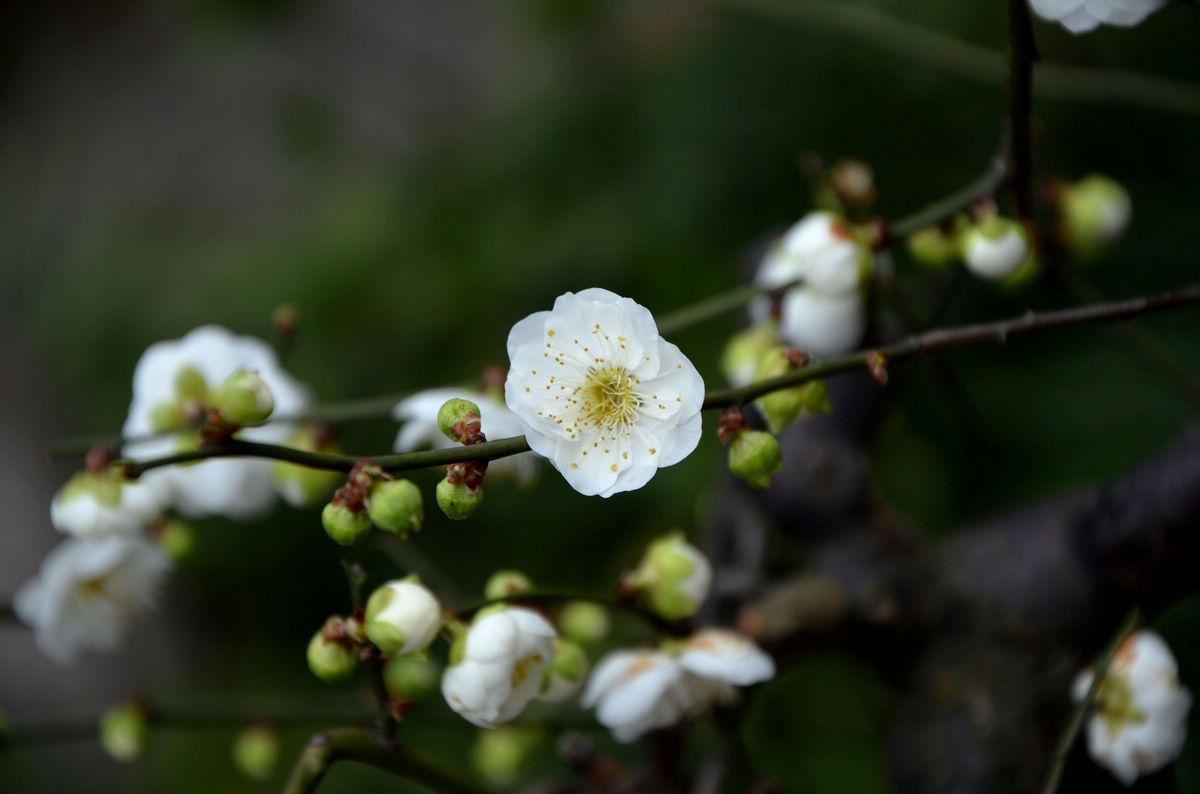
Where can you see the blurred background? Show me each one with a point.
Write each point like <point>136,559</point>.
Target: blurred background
<point>414,178</point>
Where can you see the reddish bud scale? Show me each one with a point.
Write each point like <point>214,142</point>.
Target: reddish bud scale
<point>216,430</point>
<point>397,707</point>
<point>877,364</point>
<point>98,458</point>
<point>796,358</point>
<point>731,421</point>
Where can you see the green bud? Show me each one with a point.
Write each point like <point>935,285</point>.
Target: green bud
<point>816,397</point>
<point>780,408</point>
<point>190,386</point>
<point>454,411</point>
<point>177,540</point>
<point>244,399</point>
<point>103,486</point>
<point>165,417</point>
<point>123,731</point>
<point>934,247</point>
<point>563,678</point>
<point>584,621</point>
<point>256,751</point>
<point>330,660</point>
<point>507,583</point>
<point>395,506</point>
<point>1094,212</point>
<point>673,577</point>
<point>499,754</point>
<point>410,677</point>
<point>344,525</point>
<point>302,486</point>
<point>755,456</point>
<point>740,360</point>
<point>457,500</point>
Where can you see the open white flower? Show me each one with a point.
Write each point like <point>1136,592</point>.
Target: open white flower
<point>726,656</point>
<point>600,394</point>
<point>503,658</point>
<point>94,504</point>
<point>825,315</point>
<point>86,592</point>
<point>1080,16</point>
<point>174,383</point>
<point>419,414</point>
<point>1140,721</point>
<point>635,692</point>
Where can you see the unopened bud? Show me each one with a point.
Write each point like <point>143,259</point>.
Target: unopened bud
<point>123,731</point>
<point>740,360</point>
<point>395,506</point>
<point>1094,212</point>
<point>410,677</point>
<point>782,406</point>
<point>457,500</point>
<point>934,246</point>
<point>507,583</point>
<point>344,525</point>
<point>302,486</point>
<point>673,577</point>
<point>177,540</point>
<point>331,655</point>
<point>755,457</point>
<point>256,751</point>
<point>995,248</point>
<point>498,755</point>
<point>453,417</point>
<point>564,677</point>
<point>584,621</point>
<point>402,617</point>
<point>244,399</point>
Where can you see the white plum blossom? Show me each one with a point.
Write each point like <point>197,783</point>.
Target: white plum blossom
<point>503,658</point>
<point>1140,721</point>
<point>87,591</point>
<point>419,414</point>
<point>174,383</point>
<point>635,692</point>
<point>726,656</point>
<point>600,394</point>
<point>1080,16</point>
<point>92,505</point>
<point>825,314</point>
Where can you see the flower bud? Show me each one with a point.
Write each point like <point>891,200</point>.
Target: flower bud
<point>457,500</point>
<point>755,456</point>
<point>1094,212</point>
<point>330,654</point>
<point>244,399</point>
<point>402,617</point>
<point>395,506</point>
<point>256,751</point>
<point>583,621</point>
<point>456,412</point>
<point>499,754</point>
<point>564,677</point>
<point>673,577</point>
<point>507,583</point>
<point>410,677</point>
<point>344,525</point>
<point>781,407</point>
<point>740,360</point>
<point>123,731</point>
<point>934,246</point>
<point>302,486</point>
<point>177,540</point>
<point>995,248</point>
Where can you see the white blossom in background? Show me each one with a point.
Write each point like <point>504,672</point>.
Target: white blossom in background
<point>419,414</point>
<point>673,577</point>
<point>635,692</point>
<point>825,315</point>
<point>92,505</point>
<point>1140,721</point>
<point>600,394</point>
<point>173,383</point>
<point>87,591</point>
<point>1080,16</point>
<point>500,666</point>
<point>1093,213</point>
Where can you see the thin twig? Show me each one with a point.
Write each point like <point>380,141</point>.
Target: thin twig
<point>368,747</point>
<point>1079,717</point>
<point>945,53</point>
<point>980,188</point>
<point>1022,54</point>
